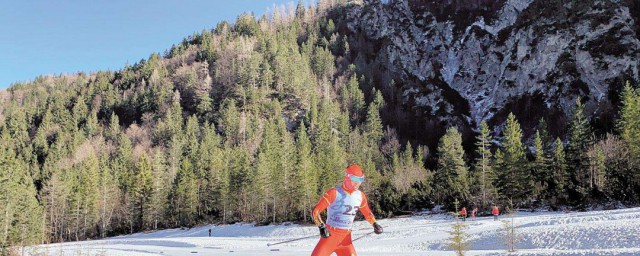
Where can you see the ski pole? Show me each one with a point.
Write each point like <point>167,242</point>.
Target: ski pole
<point>362,236</point>
<point>292,240</point>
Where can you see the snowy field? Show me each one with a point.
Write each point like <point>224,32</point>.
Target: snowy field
<point>615,232</point>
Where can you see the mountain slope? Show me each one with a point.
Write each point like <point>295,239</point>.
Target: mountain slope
<point>463,62</point>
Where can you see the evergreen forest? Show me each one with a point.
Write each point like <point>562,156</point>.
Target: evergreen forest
<point>252,121</point>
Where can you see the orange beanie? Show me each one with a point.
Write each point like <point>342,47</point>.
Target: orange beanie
<point>354,170</point>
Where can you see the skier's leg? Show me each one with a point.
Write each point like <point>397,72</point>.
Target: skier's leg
<point>346,251</point>
<point>346,247</point>
<point>326,246</point>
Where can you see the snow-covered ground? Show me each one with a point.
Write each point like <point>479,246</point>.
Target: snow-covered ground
<point>615,232</point>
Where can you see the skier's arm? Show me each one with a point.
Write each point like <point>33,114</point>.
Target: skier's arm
<point>366,211</point>
<point>322,205</point>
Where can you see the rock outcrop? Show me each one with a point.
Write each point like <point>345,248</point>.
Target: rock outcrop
<point>467,61</point>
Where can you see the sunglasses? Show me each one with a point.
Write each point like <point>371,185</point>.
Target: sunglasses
<point>355,178</point>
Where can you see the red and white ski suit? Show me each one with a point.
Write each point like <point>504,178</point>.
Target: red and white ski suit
<point>343,205</point>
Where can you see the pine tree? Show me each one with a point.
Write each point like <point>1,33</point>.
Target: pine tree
<point>543,129</point>
<point>484,171</point>
<point>123,164</point>
<point>344,126</point>
<point>174,117</point>
<point>629,122</point>
<point>20,214</point>
<point>239,180</point>
<point>329,153</point>
<point>142,192</point>
<point>451,179</point>
<point>231,123</point>
<point>114,128</point>
<point>312,116</point>
<point>175,153</point>
<point>109,196</point>
<point>539,166</point>
<point>300,10</point>
<point>79,111</point>
<point>209,50</point>
<point>306,175</point>
<point>17,127</point>
<point>378,99</point>
<point>204,103</point>
<point>557,176</point>
<point>577,162</point>
<point>286,164</point>
<point>123,167</point>
<point>185,195</point>
<point>355,99</point>
<point>223,184</point>
<point>88,175</point>
<point>275,171</point>
<point>266,76</point>
<point>191,142</point>
<point>407,155</point>
<point>91,127</point>
<point>209,163</point>
<point>629,128</point>
<point>161,187</point>
<point>513,176</point>
<point>40,142</point>
<point>55,192</point>
<point>268,178</point>
<point>373,125</point>
<point>395,162</point>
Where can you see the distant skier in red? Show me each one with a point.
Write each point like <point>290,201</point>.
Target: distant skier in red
<point>343,202</point>
<point>463,213</point>
<point>495,212</point>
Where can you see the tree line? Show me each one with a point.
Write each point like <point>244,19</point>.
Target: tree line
<point>253,121</point>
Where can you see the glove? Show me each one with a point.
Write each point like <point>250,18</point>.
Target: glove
<point>377,228</point>
<point>324,231</point>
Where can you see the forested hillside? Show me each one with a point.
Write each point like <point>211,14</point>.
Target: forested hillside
<point>253,120</point>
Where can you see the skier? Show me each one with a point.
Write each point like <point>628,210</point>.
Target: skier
<point>463,213</point>
<point>209,232</point>
<point>342,202</point>
<point>473,213</point>
<point>495,212</point>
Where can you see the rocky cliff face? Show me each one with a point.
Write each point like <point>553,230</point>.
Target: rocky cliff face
<point>464,61</point>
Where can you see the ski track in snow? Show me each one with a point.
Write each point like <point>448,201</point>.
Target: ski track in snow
<point>612,232</point>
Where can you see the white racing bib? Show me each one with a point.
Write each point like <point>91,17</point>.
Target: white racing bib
<point>342,211</point>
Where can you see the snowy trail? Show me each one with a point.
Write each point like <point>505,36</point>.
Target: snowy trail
<point>578,233</point>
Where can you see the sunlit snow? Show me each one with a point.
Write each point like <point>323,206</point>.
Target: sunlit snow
<point>612,232</point>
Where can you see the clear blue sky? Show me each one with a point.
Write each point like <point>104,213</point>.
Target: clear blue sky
<point>40,37</point>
